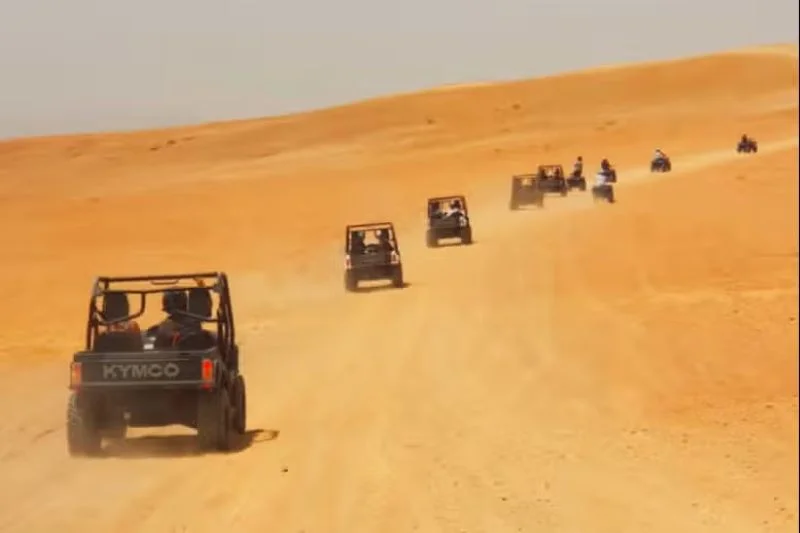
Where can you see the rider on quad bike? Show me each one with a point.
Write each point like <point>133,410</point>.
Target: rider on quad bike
<point>577,167</point>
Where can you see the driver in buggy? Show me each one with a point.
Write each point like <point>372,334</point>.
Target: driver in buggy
<point>176,324</point>
<point>455,209</point>
<point>659,155</point>
<point>116,307</point>
<point>357,245</point>
<point>435,210</point>
<point>384,241</point>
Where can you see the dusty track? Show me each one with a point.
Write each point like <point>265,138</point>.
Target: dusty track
<point>582,368</point>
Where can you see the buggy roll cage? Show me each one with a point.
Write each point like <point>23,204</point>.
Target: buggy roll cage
<point>214,281</point>
<point>542,169</point>
<point>439,199</point>
<point>351,228</point>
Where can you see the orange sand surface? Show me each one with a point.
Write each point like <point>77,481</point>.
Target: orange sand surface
<point>584,368</point>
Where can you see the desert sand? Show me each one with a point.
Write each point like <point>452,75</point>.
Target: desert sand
<point>583,368</point>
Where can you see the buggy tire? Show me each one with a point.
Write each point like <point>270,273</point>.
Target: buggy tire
<point>214,420</point>
<point>83,438</point>
<point>430,239</point>
<point>239,405</point>
<point>350,281</point>
<point>397,276</point>
<point>466,235</point>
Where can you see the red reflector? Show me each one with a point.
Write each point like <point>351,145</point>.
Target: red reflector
<point>75,375</point>
<point>207,372</point>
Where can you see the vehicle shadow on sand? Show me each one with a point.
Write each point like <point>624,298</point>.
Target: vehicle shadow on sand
<point>380,288</point>
<point>452,244</point>
<point>171,446</point>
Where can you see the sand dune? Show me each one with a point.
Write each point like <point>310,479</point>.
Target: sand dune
<point>584,367</point>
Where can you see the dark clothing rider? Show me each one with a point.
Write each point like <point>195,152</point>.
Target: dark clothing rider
<point>175,325</point>
<point>384,241</point>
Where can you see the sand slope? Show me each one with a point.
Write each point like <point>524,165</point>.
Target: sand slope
<point>585,368</point>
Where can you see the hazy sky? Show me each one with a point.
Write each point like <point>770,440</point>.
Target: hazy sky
<point>83,65</point>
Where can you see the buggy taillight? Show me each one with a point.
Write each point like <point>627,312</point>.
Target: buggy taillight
<point>75,375</point>
<point>395,258</point>
<point>207,373</point>
<point>347,263</point>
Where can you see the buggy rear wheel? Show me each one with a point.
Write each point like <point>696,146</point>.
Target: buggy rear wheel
<point>239,405</point>
<point>466,235</point>
<point>214,420</point>
<point>350,281</point>
<point>430,239</point>
<point>397,276</point>
<point>83,438</point>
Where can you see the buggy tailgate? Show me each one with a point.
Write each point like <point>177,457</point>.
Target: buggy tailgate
<point>153,369</point>
<point>371,259</point>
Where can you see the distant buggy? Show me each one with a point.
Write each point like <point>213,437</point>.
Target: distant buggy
<point>371,253</point>
<point>747,145</point>
<point>525,191</point>
<point>661,164</point>
<point>182,370</point>
<point>551,179</point>
<point>448,218</point>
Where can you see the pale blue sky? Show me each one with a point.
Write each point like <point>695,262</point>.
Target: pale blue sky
<point>84,65</point>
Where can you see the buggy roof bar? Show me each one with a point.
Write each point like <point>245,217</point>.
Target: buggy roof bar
<point>164,278</point>
<point>369,225</point>
<point>450,197</point>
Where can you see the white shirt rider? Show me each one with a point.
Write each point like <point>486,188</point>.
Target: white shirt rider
<point>600,178</point>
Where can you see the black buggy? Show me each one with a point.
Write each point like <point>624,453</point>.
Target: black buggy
<point>182,370</point>
<point>525,191</point>
<point>661,164</point>
<point>747,145</point>
<point>551,179</point>
<point>448,218</point>
<point>371,253</point>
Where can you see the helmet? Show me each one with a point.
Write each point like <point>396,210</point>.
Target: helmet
<point>455,204</point>
<point>580,158</point>
<point>604,163</point>
<point>173,301</point>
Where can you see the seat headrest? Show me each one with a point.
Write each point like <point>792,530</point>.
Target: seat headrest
<point>200,302</point>
<point>115,305</point>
